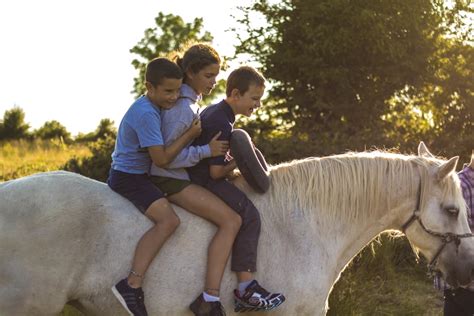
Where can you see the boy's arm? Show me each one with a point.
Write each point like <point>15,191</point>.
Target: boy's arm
<point>163,155</point>
<point>191,155</point>
<point>220,171</point>
<point>219,167</point>
<point>174,124</point>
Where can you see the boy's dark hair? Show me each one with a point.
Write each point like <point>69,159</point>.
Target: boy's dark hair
<point>241,79</point>
<point>197,57</point>
<point>162,68</point>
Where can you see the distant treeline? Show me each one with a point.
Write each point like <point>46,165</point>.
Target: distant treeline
<point>100,142</point>
<point>14,127</point>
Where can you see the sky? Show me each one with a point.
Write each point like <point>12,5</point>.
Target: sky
<point>69,60</point>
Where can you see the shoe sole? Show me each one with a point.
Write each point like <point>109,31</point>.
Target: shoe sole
<point>121,300</point>
<point>242,307</point>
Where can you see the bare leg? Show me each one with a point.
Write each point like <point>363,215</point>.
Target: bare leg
<point>203,203</point>
<point>243,276</point>
<point>166,222</point>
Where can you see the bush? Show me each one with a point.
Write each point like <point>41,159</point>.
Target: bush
<point>106,128</point>
<point>13,125</point>
<point>97,165</point>
<point>53,130</point>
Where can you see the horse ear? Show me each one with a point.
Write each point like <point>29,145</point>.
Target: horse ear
<point>423,151</point>
<point>446,168</point>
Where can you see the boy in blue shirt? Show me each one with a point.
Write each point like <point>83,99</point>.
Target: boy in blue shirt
<point>139,144</point>
<point>244,90</point>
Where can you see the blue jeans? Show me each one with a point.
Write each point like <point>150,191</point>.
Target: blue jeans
<point>244,251</point>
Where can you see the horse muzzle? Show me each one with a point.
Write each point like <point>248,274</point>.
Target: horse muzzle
<point>456,263</point>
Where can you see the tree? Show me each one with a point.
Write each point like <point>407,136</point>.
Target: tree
<point>105,129</point>
<point>452,101</point>
<point>346,73</point>
<point>13,125</point>
<point>171,34</point>
<point>53,129</point>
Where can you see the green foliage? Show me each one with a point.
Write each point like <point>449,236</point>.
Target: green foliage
<point>350,75</point>
<point>101,144</point>
<point>106,128</point>
<point>13,125</point>
<point>53,129</point>
<point>97,165</point>
<point>171,34</point>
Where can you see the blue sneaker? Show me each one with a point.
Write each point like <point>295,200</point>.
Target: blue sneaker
<point>131,299</point>
<point>256,298</point>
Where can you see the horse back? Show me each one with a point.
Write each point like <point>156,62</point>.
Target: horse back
<point>53,227</point>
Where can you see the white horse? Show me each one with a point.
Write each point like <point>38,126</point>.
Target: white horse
<point>66,238</point>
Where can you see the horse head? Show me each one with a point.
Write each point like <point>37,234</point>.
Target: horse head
<point>438,226</point>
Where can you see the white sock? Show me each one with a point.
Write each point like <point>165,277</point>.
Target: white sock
<point>243,286</point>
<point>210,298</point>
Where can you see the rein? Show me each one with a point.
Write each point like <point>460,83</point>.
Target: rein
<point>446,238</point>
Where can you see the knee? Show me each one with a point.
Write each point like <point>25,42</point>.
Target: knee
<point>163,215</point>
<point>236,221</point>
<point>251,216</point>
<point>232,222</point>
<point>170,223</point>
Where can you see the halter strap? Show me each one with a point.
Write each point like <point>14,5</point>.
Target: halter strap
<point>446,238</point>
<point>416,211</point>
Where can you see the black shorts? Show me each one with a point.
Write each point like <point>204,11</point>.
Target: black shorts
<point>137,188</point>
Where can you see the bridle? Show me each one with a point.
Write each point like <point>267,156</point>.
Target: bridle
<point>446,238</point>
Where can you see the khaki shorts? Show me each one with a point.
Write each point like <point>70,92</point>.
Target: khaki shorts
<point>169,186</point>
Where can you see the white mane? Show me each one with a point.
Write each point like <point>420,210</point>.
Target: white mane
<point>349,185</point>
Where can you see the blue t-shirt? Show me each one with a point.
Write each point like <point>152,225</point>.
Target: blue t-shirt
<point>140,128</point>
<point>215,118</point>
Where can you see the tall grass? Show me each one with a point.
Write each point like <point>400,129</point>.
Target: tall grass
<point>385,279</point>
<point>22,157</point>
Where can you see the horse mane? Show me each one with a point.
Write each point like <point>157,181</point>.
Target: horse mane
<point>349,185</point>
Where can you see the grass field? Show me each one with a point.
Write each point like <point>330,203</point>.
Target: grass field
<point>383,280</point>
<point>21,158</point>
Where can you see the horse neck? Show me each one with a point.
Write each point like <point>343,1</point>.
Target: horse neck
<point>357,217</point>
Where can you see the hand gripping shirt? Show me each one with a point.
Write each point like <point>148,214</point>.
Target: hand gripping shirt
<point>175,122</point>
<point>214,119</point>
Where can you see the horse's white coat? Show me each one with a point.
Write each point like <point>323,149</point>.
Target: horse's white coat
<point>64,237</point>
